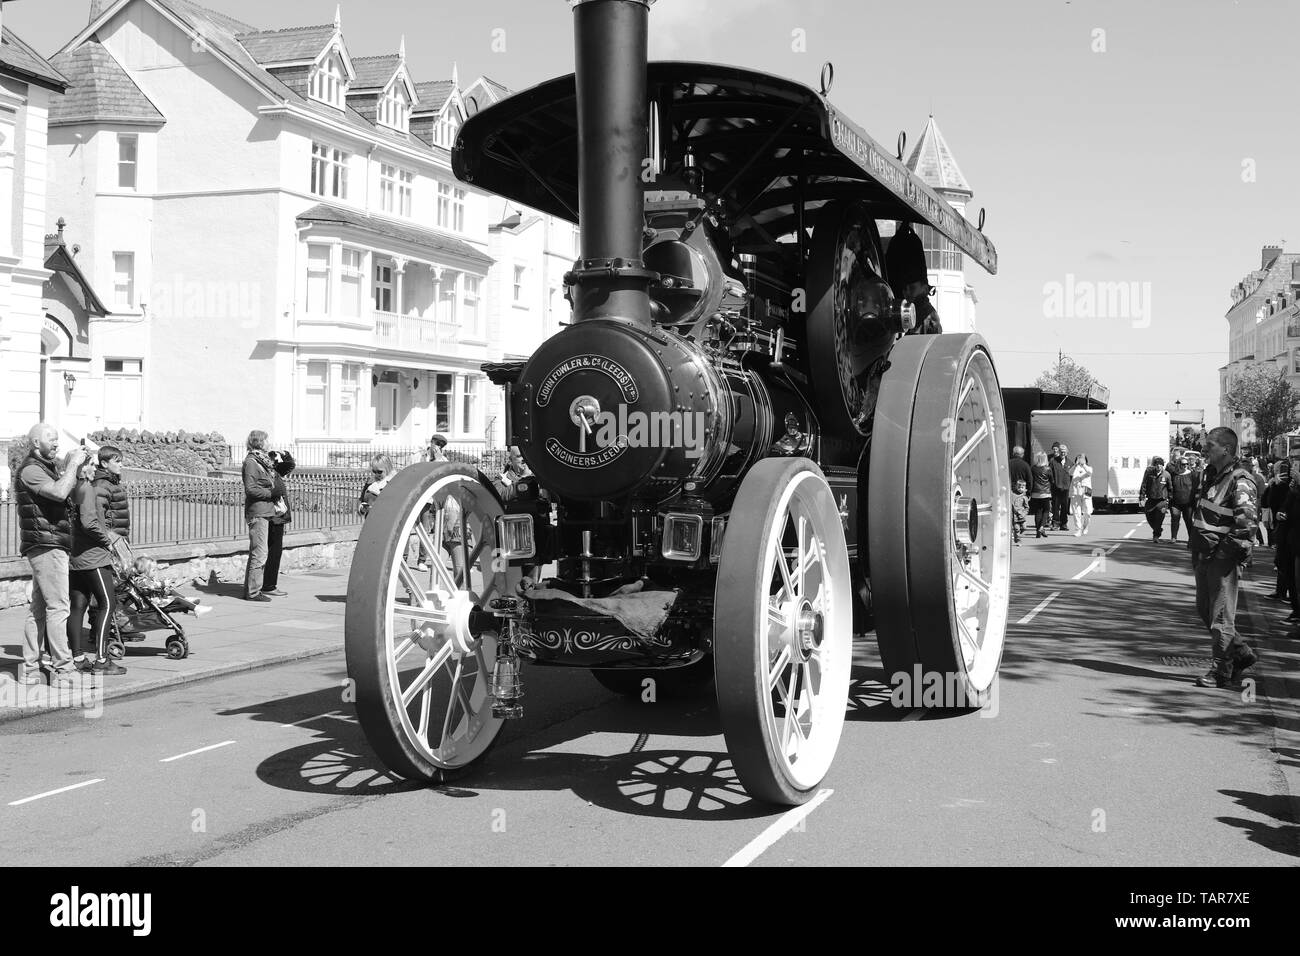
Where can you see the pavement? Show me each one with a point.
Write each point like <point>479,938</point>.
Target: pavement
<point>1099,752</point>
<point>236,635</point>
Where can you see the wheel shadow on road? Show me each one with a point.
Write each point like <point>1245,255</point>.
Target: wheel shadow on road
<point>338,761</point>
<point>681,783</point>
<point>1283,838</point>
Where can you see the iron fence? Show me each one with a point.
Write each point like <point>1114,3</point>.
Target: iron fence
<point>186,510</point>
<point>355,456</point>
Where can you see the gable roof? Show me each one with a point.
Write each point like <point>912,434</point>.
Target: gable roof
<point>57,259</point>
<point>101,91</point>
<point>19,60</point>
<point>433,95</point>
<point>495,91</point>
<point>374,72</point>
<point>934,162</point>
<point>290,45</point>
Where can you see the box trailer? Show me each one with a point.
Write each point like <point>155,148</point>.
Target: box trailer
<point>1119,443</point>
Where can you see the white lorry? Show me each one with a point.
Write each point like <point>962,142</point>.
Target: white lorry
<point>1119,444</point>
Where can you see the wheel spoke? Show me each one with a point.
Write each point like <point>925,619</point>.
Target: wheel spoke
<point>786,583</point>
<point>967,640</point>
<point>776,616</point>
<point>422,679</point>
<point>971,444</point>
<point>965,393</point>
<point>800,536</point>
<point>778,667</point>
<point>451,706</point>
<point>404,648</point>
<point>413,587</point>
<point>435,554</point>
<point>429,615</point>
<point>979,583</point>
<point>791,705</point>
<point>422,731</point>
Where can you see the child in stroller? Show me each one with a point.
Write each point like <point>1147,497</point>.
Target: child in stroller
<point>146,602</point>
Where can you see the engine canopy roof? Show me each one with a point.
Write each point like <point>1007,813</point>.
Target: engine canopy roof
<point>526,149</point>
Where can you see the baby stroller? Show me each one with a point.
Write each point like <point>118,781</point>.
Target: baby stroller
<point>147,603</point>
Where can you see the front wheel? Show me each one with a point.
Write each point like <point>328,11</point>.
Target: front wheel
<point>783,630</point>
<point>421,675</point>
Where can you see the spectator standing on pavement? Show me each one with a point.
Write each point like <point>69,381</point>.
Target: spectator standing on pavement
<point>1019,468</point>
<point>1040,494</point>
<point>1061,478</point>
<point>259,508</point>
<point>516,468</point>
<point>1289,532</point>
<point>100,523</point>
<point>381,470</point>
<point>1153,496</point>
<point>1019,509</point>
<point>42,494</point>
<point>282,463</point>
<point>1222,535</point>
<point>1081,494</point>
<point>1183,485</point>
<point>1277,495</point>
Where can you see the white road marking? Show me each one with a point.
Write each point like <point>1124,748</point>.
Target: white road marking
<point>50,793</point>
<point>783,825</point>
<point>916,714</point>
<point>1041,604</point>
<point>308,720</point>
<point>191,753</point>
<point>1113,547</point>
<point>1130,533</point>
<point>1088,570</point>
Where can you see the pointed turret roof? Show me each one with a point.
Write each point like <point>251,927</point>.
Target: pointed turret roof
<point>934,162</point>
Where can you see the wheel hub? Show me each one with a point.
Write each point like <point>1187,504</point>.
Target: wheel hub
<point>966,520</point>
<point>459,606</point>
<point>809,630</point>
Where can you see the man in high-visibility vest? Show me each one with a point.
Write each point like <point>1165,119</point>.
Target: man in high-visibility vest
<point>1222,534</point>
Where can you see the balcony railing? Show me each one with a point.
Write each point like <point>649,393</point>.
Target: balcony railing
<point>414,333</point>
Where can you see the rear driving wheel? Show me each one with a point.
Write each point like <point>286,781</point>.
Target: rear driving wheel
<point>940,516</point>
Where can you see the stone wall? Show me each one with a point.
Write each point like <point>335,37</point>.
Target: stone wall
<point>186,564</point>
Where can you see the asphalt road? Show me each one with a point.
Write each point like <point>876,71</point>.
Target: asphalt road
<point>1099,751</point>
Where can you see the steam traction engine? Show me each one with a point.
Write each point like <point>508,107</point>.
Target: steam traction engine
<point>738,446</point>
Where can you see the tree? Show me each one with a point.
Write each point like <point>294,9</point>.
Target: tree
<point>1068,377</point>
<point>1264,394</point>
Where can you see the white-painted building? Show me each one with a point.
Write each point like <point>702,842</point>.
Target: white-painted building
<point>274,224</point>
<point>32,365</point>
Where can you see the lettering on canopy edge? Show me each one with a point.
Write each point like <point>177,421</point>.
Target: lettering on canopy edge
<point>862,150</point>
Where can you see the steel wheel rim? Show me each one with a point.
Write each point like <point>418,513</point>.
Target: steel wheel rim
<point>804,737</point>
<point>433,624</point>
<point>980,571</point>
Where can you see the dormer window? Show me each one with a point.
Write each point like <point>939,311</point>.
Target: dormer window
<point>444,132</point>
<point>395,108</point>
<point>328,82</point>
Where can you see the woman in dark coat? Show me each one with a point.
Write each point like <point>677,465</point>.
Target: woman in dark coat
<point>97,506</point>
<point>1040,493</point>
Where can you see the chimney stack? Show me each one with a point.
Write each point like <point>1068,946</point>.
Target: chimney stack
<point>611,52</point>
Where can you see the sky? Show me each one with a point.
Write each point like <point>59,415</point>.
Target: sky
<point>1154,143</point>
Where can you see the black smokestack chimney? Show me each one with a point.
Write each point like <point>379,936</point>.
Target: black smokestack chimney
<point>610,47</point>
